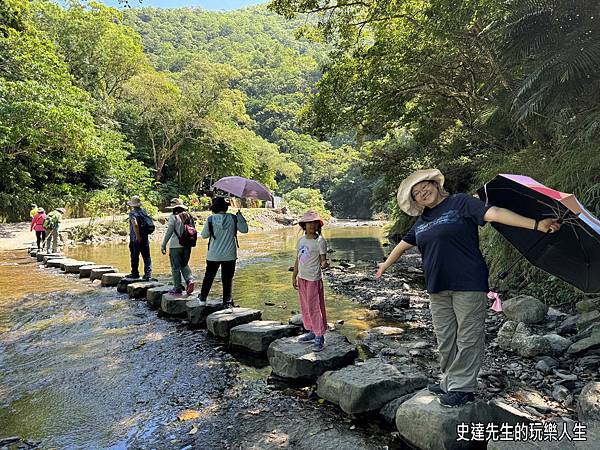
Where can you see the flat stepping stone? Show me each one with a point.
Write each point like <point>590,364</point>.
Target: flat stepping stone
<point>55,263</point>
<point>139,289</point>
<point>73,267</point>
<point>221,322</point>
<point>86,271</point>
<point>33,253</point>
<point>368,386</point>
<point>99,272</point>
<point>46,256</point>
<point>154,296</point>
<point>256,336</point>
<point>174,305</point>
<point>296,360</point>
<point>109,279</point>
<point>198,311</point>
<point>124,282</point>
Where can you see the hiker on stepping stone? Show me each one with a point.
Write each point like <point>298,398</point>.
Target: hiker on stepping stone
<point>52,226</point>
<point>37,225</point>
<point>307,278</point>
<point>221,231</point>
<point>140,227</point>
<point>456,274</point>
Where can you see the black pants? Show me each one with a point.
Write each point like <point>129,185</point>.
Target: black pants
<point>227,272</point>
<point>135,250</point>
<point>40,237</point>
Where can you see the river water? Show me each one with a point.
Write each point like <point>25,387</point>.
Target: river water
<point>85,367</point>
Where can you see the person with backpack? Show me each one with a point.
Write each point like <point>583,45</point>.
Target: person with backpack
<point>52,225</point>
<point>37,225</point>
<point>140,227</point>
<point>221,231</point>
<point>181,236</point>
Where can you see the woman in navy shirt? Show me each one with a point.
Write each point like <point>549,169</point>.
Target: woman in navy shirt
<point>456,274</point>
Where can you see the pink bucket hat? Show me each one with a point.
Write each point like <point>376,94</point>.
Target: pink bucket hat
<point>311,216</point>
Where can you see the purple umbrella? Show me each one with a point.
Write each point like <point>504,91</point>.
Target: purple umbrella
<point>244,188</point>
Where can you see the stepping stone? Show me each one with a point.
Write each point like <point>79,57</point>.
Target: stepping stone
<point>296,360</point>
<point>368,386</point>
<point>109,279</point>
<point>73,267</point>
<point>221,322</point>
<point>257,336</point>
<point>139,289</point>
<point>46,256</point>
<point>154,296</point>
<point>33,253</point>
<point>122,286</point>
<point>174,305</point>
<point>99,272</point>
<point>198,311</point>
<point>55,263</point>
<point>86,271</point>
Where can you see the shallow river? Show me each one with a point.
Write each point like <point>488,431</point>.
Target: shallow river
<point>84,367</point>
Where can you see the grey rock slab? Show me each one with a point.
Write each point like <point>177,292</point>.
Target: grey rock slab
<point>524,308</point>
<point>110,279</point>
<point>47,256</point>
<point>568,326</point>
<point>558,343</point>
<point>139,289</point>
<point>586,344</point>
<point>73,267</point>
<point>388,411</point>
<point>198,311</point>
<point>588,403</point>
<point>98,274</point>
<point>368,386</point>
<point>86,271</point>
<point>296,360</point>
<point>122,286</point>
<point>174,305</point>
<point>55,263</point>
<point>221,322</point>
<point>154,296</point>
<point>257,335</point>
<point>588,318</point>
<point>588,305</point>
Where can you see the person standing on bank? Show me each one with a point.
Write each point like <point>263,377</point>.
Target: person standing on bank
<point>139,242</point>
<point>221,231</point>
<point>456,273</point>
<point>52,225</point>
<point>179,254</point>
<point>37,225</point>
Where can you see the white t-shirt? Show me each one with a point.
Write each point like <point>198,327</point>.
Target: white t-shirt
<point>309,261</point>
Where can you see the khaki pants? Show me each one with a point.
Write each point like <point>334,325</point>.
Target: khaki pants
<point>459,326</point>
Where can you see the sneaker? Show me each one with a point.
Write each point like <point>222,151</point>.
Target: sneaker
<point>148,278</point>
<point>309,337</point>
<point>190,287</point>
<point>454,399</point>
<point>229,304</point>
<point>435,388</point>
<point>132,276</point>
<point>319,343</point>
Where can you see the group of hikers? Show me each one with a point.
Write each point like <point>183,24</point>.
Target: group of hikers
<point>445,233</point>
<point>46,227</point>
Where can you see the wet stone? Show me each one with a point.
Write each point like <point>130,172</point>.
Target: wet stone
<point>296,360</point>
<point>47,256</point>
<point>86,271</point>
<point>154,296</point>
<point>368,386</point>
<point>198,311</point>
<point>256,336</point>
<point>55,263</point>
<point>110,279</point>
<point>98,274</point>
<point>221,322</point>
<point>139,289</point>
<point>174,305</point>
<point>73,267</point>
<point>124,282</point>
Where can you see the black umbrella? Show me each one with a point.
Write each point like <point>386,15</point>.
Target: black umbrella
<point>572,253</point>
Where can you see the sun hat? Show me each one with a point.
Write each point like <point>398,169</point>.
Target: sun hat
<point>61,210</point>
<point>41,210</point>
<point>311,216</point>
<point>177,203</point>
<point>405,200</point>
<point>135,201</point>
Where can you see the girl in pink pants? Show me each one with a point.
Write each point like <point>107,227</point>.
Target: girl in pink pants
<point>307,278</point>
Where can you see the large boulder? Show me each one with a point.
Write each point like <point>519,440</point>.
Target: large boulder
<point>524,308</point>
<point>139,289</point>
<point>154,296</point>
<point>174,305</point>
<point>86,271</point>
<point>124,282</point>
<point>257,335</point>
<point>368,386</point>
<point>221,322</point>
<point>296,360</point>
<point>518,338</point>
<point>109,279</point>
<point>588,305</point>
<point>198,311</point>
<point>588,403</point>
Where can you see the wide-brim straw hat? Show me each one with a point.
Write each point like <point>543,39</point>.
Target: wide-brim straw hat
<point>177,203</point>
<point>311,216</point>
<point>405,200</point>
<point>135,201</point>
<point>61,210</point>
<point>41,210</point>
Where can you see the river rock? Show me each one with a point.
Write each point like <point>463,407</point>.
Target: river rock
<point>546,364</point>
<point>588,305</point>
<point>256,336</point>
<point>518,338</point>
<point>174,305</point>
<point>587,344</point>
<point>86,271</point>
<point>587,319</point>
<point>154,296</point>
<point>47,256</point>
<point>558,343</point>
<point>124,282</point>
<point>198,311</point>
<point>221,322</point>
<point>588,403</point>
<point>110,279</point>
<point>568,326</point>
<point>98,274</point>
<point>368,386</point>
<point>73,267</point>
<point>524,308</point>
<point>139,289</point>
<point>296,360</point>
<point>56,262</point>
